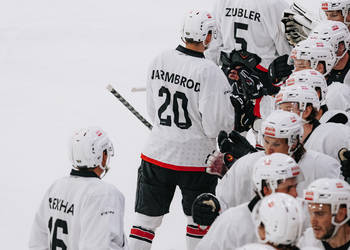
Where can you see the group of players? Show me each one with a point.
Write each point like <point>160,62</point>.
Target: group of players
<point>250,121</point>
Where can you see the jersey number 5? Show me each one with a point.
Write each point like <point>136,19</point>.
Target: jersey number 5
<point>242,41</point>
<point>57,243</point>
<point>184,101</point>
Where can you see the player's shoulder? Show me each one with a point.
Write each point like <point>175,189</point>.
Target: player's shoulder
<point>308,240</point>
<point>249,159</point>
<point>314,157</point>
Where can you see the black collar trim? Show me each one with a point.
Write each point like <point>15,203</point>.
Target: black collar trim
<point>189,52</point>
<point>253,202</point>
<point>343,247</point>
<point>83,173</point>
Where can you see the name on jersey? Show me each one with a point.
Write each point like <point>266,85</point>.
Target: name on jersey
<point>175,79</point>
<point>61,205</point>
<point>238,12</point>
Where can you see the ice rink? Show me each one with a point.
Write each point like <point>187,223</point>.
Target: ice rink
<point>56,59</point>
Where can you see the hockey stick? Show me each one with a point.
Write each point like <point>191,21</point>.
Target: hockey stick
<point>138,89</point>
<point>129,107</point>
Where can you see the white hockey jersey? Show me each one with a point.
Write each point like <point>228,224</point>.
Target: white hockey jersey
<point>79,213</point>
<point>231,229</point>
<point>308,240</point>
<point>188,103</point>
<point>338,97</point>
<point>252,25</point>
<point>236,187</point>
<point>329,138</point>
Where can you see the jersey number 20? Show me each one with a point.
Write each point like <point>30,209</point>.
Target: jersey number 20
<point>57,243</point>
<point>184,101</point>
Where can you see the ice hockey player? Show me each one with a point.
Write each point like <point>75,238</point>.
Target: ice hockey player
<point>188,102</point>
<point>316,80</point>
<point>329,208</point>
<point>338,35</point>
<point>279,222</point>
<point>313,54</point>
<point>282,132</point>
<point>252,26</point>
<point>235,227</point>
<point>327,138</point>
<point>81,211</point>
<point>337,10</point>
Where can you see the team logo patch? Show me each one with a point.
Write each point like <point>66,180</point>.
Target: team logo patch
<point>293,119</point>
<point>335,27</point>
<point>324,6</point>
<point>267,162</point>
<point>339,185</point>
<point>271,204</point>
<point>295,170</point>
<point>270,131</point>
<point>309,196</point>
<point>279,98</point>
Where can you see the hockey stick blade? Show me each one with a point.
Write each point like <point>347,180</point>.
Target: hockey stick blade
<point>128,106</point>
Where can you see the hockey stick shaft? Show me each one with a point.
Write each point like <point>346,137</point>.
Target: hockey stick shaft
<point>128,106</point>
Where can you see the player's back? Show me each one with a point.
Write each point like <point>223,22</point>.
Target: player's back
<point>69,209</point>
<point>329,138</point>
<point>253,25</point>
<point>188,103</point>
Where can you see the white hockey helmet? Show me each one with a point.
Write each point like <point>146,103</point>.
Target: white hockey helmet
<point>333,32</point>
<point>315,51</point>
<point>87,147</point>
<point>274,169</point>
<point>311,78</point>
<point>197,24</point>
<point>335,192</point>
<point>283,124</point>
<point>333,5</point>
<point>298,93</point>
<point>282,218</point>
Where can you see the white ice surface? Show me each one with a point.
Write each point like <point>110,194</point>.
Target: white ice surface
<point>56,59</point>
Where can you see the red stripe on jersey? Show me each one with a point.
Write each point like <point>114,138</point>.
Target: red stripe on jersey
<point>172,167</point>
<point>141,233</point>
<point>259,67</point>
<point>196,231</point>
<point>257,107</point>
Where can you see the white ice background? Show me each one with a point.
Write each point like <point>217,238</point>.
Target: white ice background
<point>56,58</point>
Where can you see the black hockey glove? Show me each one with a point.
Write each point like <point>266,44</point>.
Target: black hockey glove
<point>344,156</point>
<point>251,84</point>
<point>234,145</point>
<point>205,209</point>
<point>279,70</point>
<point>244,113</point>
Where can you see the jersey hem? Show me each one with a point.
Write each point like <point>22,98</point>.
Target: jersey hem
<point>173,167</point>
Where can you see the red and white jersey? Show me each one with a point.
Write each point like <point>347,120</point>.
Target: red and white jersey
<point>236,187</point>
<point>251,25</point>
<point>329,138</point>
<point>188,102</point>
<point>231,229</point>
<point>79,212</point>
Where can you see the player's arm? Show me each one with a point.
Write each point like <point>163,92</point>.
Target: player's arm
<point>215,105</point>
<point>102,222</point>
<point>39,232</point>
